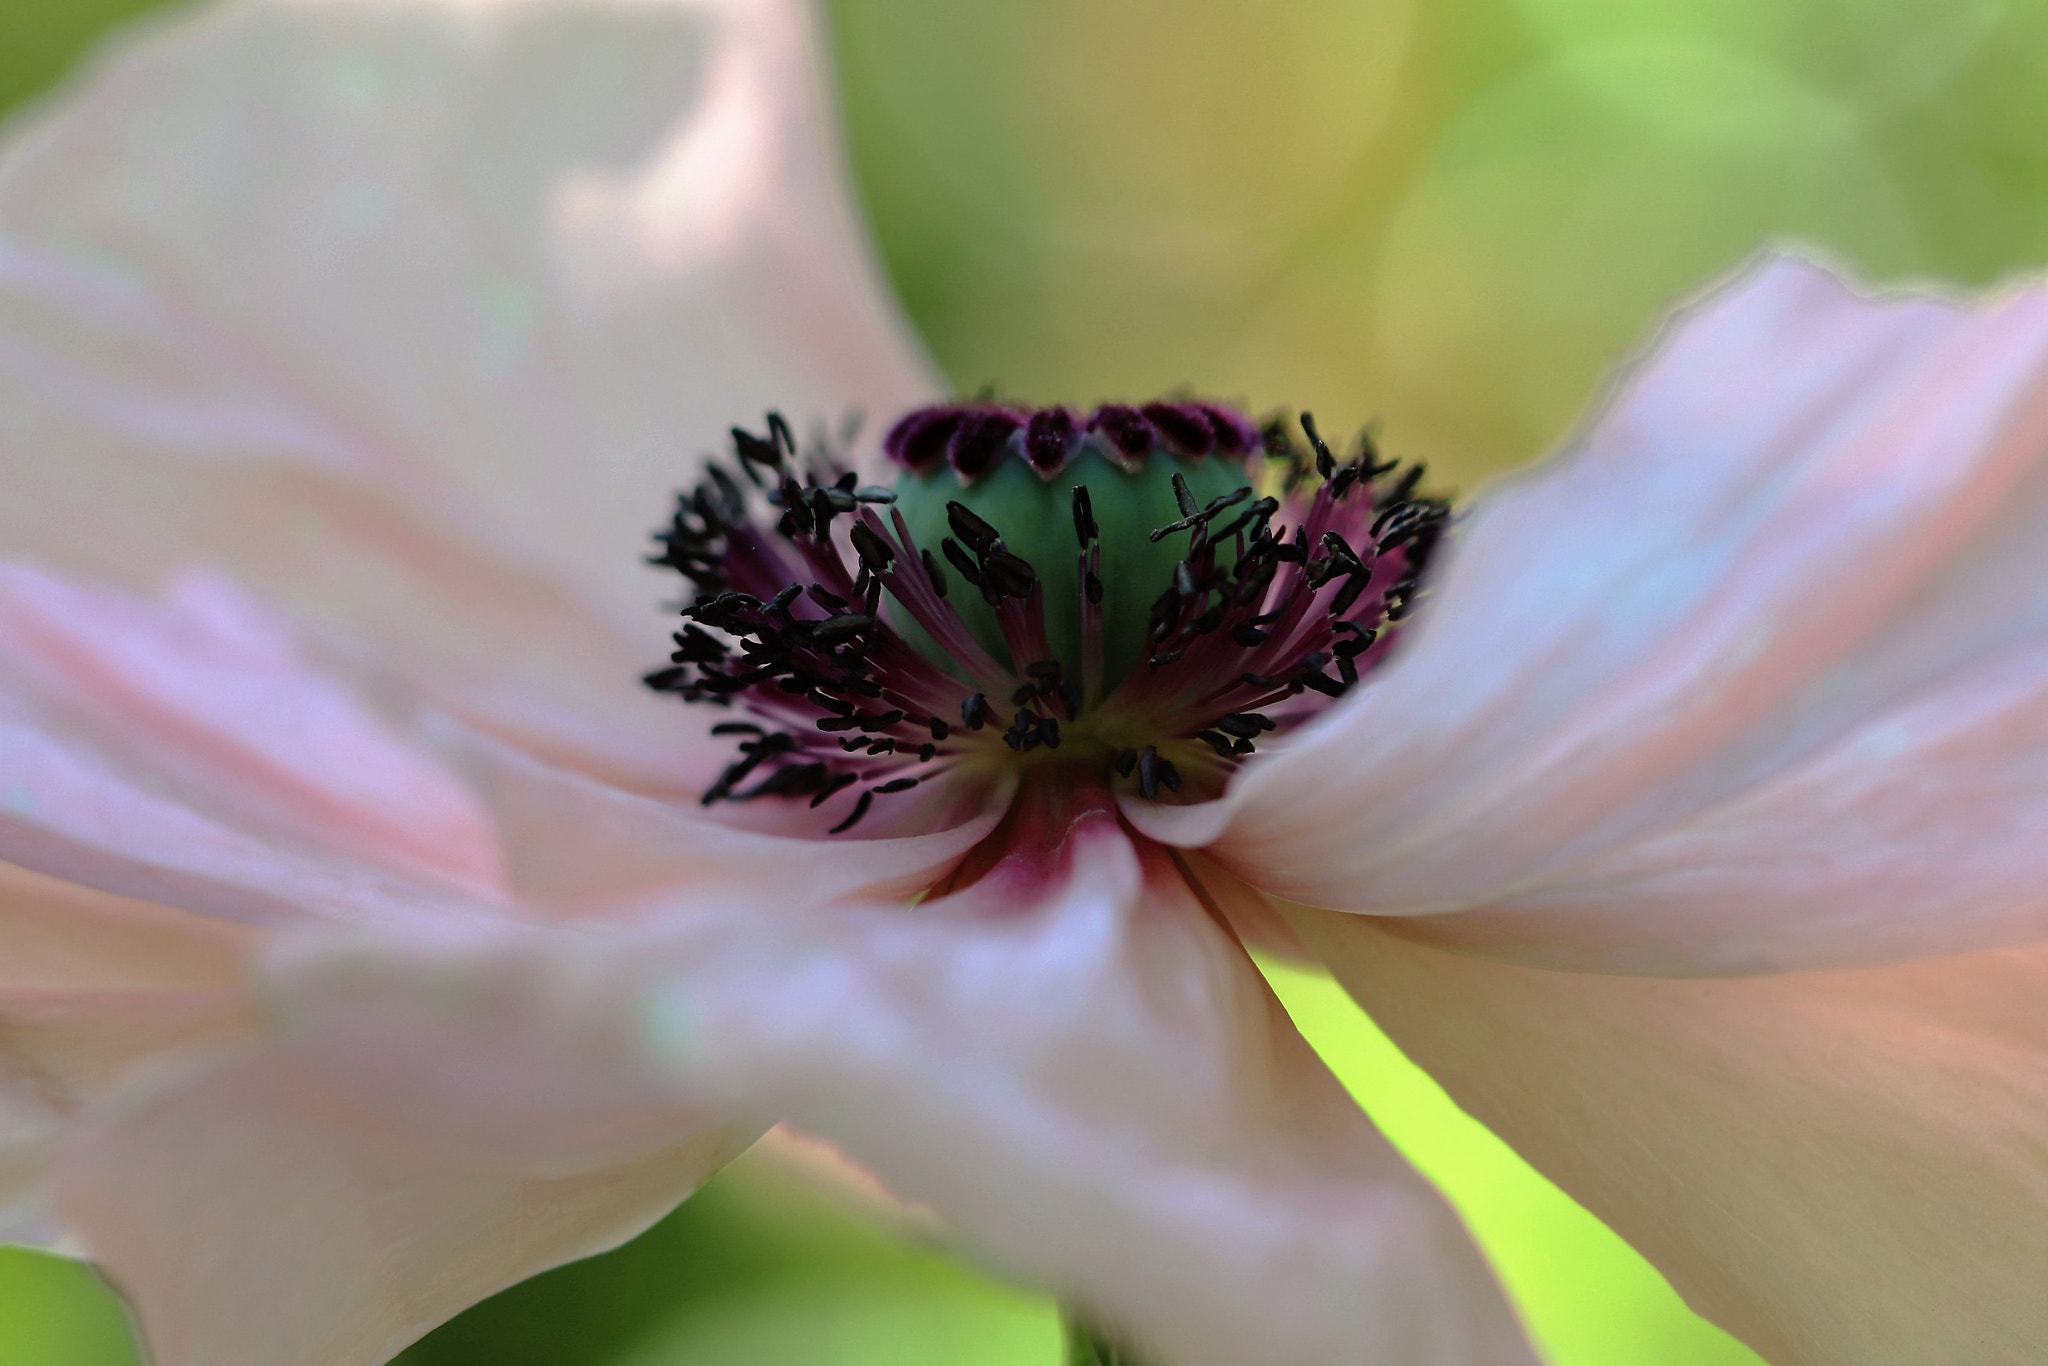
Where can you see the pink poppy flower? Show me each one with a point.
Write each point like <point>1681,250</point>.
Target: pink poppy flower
<point>365,945</point>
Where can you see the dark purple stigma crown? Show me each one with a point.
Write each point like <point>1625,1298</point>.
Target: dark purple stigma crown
<point>971,436</point>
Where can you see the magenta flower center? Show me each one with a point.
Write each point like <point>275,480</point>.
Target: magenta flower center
<point>1137,597</point>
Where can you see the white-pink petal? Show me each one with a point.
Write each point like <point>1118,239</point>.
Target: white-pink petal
<point>1745,679</point>
<point>576,845</point>
<point>1919,833</point>
<point>92,987</point>
<point>165,751</point>
<point>1095,1088</point>
<point>1843,1168</point>
<point>348,353</point>
<point>265,1214</point>
<point>413,317</point>
<point>208,693</point>
<point>1070,1062</point>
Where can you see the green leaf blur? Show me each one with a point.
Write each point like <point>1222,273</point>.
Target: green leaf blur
<point>1451,218</point>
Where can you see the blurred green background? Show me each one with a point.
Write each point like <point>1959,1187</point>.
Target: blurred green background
<point>1450,218</point>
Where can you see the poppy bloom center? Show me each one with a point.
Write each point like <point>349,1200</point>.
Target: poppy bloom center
<point>1137,596</point>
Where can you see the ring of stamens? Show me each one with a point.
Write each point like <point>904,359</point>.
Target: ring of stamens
<point>861,676</point>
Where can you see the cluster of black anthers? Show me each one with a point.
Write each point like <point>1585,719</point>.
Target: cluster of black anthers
<point>1278,604</point>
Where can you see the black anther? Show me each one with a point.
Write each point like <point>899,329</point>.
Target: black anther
<point>1148,772</point>
<point>839,628</point>
<point>860,808</point>
<point>1326,463</point>
<point>962,561</point>
<point>934,573</point>
<point>1321,682</point>
<point>838,782</point>
<point>1009,575</point>
<point>873,550</point>
<point>971,528</point>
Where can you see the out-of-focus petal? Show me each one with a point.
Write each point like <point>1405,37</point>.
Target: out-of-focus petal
<point>262,1215</point>
<point>69,813</point>
<point>28,1130</point>
<point>55,936</point>
<point>91,986</point>
<point>1071,1061</point>
<point>1918,833</point>
<point>505,1045</point>
<point>1082,1073</point>
<point>414,315</point>
<point>577,845</point>
<point>181,752</point>
<point>1753,676</point>
<point>1842,1168</point>
<point>1250,913</point>
<point>206,693</point>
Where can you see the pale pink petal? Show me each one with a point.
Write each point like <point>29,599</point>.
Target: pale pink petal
<point>91,986</point>
<point>575,845</point>
<point>29,1131</point>
<point>1085,1077</point>
<point>1752,676</point>
<point>263,1215</point>
<point>68,812</point>
<point>413,316</point>
<point>180,752</point>
<point>503,1045</point>
<point>58,937</point>
<point>1842,1168</point>
<point>208,693</point>
<point>358,1203</point>
<point>1918,833</point>
<point>1251,915</point>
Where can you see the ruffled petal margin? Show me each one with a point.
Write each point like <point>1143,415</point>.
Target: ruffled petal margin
<point>93,986</point>
<point>413,317</point>
<point>1841,1168</point>
<point>1753,677</point>
<point>261,1213</point>
<point>1072,1063</point>
<point>180,788</point>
